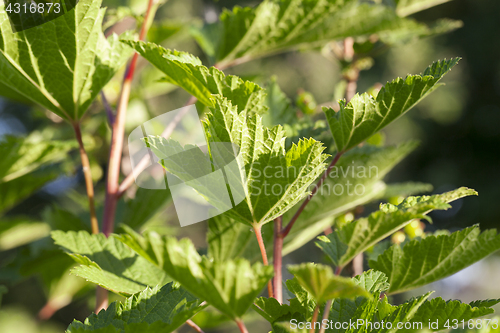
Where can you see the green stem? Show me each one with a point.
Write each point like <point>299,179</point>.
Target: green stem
<point>88,179</point>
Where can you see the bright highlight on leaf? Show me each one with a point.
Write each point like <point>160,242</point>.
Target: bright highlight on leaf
<point>364,115</point>
<point>345,243</point>
<point>323,285</point>
<point>150,311</point>
<point>421,262</point>
<point>186,71</point>
<point>109,263</point>
<point>62,64</point>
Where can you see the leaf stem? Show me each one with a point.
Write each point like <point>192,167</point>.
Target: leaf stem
<point>278,259</point>
<point>241,326</point>
<point>88,179</point>
<point>191,323</point>
<point>326,312</point>
<point>129,180</point>
<point>101,299</point>
<point>289,226</point>
<point>314,318</point>
<point>258,233</point>
<point>118,135</point>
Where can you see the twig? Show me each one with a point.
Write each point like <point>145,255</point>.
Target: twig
<point>314,318</point>
<point>285,231</point>
<point>278,259</point>
<point>143,163</point>
<point>109,109</point>
<point>191,323</point>
<point>326,312</point>
<point>241,326</point>
<point>88,179</point>
<point>258,233</point>
<point>101,299</point>
<point>118,134</point>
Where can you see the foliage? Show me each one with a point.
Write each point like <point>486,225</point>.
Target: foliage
<point>307,155</point>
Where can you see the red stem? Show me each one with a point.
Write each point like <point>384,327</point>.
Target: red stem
<point>285,231</point>
<point>258,233</point>
<point>115,154</point>
<point>314,318</point>
<point>278,259</point>
<point>191,323</point>
<point>241,326</point>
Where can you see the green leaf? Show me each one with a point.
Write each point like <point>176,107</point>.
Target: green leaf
<point>273,180</point>
<point>23,155</point>
<point>406,189</point>
<point>160,310</point>
<point>144,206</point>
<point>323,285</point>
<point>19,231</point>
<point>229,286</point>
<point>402,313</point>
<point>186,71</point>
<point>108,262</point>
<point>228,239</point>
<point>16,190</point>
<point>62,64</point>
<point>277,26</point>
<point>270,180</point>
<point>345,243</point>
<point>441,311</point>
<point>434,257</point>
<point>408,7</point>
<point>355,180</point>
<point>364,115</point>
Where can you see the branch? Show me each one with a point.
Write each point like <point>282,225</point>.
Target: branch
<point>278,259</point>
<point>285,231</point>
<point>258,233</point>
<point>143,163</point>
<point>241,326</point>
<point>191,323</point>
<point>326,312</point>
<point>108,108</point>
<point>115,154</point>
<point>314,318</point>
<point>88,179</point>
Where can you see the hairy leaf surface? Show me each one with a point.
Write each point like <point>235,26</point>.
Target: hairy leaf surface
<point>186,71</point>
<point>109,263</point>
<point>345,243</point>
<point>154,310</point>
<point>364,115</point>
<point>434,257</point>
<point>62,64</point>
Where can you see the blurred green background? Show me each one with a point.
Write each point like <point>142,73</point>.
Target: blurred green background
<point>458,126</point>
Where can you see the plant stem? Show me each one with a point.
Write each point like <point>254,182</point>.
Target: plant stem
<point>143,163</point>
<point>115,154</point>
<point>314,318</point>
<point>194,326</point>
<point>241,326</point>
<point>326,312</point>
<point>258,233</point>
<point>313,192</point>
<point>88,179</point>
<point>101,299</point>
<point>278,259</point>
